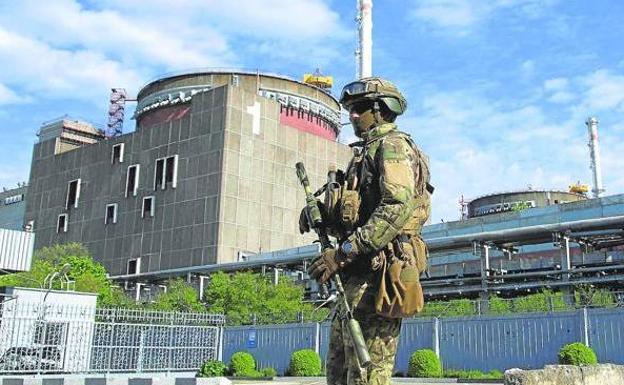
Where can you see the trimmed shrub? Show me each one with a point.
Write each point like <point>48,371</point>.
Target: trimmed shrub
<point>424,363</point>
<point>212,368</point>
<point>305,363</point>
<point>577,354</point>
<point>243,364</point>
<point>268,372</point>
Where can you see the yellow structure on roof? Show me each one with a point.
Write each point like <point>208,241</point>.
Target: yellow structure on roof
<point>318,80</point>
<point>579,188</point>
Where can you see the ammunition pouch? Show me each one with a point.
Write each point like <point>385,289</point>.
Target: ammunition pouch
<point>400,293</point>
<point>349,208</point>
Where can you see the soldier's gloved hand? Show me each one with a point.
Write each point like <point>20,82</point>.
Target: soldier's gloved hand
<point>325,266</point>
<point>304,226</point>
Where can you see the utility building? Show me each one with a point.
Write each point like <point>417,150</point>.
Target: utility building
<point>207,177</point>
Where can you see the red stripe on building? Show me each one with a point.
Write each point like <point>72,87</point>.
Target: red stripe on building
<point>307,122</point>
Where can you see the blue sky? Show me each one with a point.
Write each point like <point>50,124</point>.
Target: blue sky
<point>498,90</point>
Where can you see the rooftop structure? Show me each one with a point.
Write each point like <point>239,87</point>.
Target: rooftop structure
<point>69,134</point>
<point>519,200</point>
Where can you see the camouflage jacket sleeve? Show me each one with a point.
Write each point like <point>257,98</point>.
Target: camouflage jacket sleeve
<point>397,167</point>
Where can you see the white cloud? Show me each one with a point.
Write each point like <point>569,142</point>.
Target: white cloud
<point>8,96</point>
<point>461,16</point>
<point>68,50</point>
<point>556,84</point>
<point>37,69</point>
<point>479,145</point>
<point>605,91</point>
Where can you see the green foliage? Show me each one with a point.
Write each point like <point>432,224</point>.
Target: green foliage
<point>519,206</point>
<point>305,363</point>
<point>424,363</point>
<point>242,364</point>
<point>452,308</point>
<point>588,296</point>
<point>577,354</point>
<point>89,276</point>
<point>544,301</point>
<point>473,374</point>
<point>180,296</point>
<point>268,372</point>
<point>242,295</point>
<point>212,368</point>
<point>499,306</point>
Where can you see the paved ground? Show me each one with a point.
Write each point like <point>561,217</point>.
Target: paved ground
<point>321,381</point>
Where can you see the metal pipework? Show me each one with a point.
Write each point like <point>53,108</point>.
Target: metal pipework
<point>594,153</point>
<point>364,53</point>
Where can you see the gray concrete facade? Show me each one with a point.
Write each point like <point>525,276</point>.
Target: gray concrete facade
<point>234,189</point>
<point>12,208</point>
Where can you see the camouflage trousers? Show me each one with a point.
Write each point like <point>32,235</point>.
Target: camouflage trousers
<point>381,336</point>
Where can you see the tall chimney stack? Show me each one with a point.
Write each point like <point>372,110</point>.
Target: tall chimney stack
<point>594,153</point>
<point>364,52</point>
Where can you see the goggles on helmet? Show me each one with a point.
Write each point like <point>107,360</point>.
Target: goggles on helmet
<point>355,89</point>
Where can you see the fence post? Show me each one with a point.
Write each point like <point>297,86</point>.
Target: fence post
<point>220,336</point>
<point>317,338</point>
<point>111,343</point>
<point>436,337</point>
<point>585,326</point>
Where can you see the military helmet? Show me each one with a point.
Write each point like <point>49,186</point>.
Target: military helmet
<point>374,89</point>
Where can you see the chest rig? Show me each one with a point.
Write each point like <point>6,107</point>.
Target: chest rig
<point>357,193</point>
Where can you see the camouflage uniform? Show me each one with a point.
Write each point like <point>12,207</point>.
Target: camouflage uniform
<point>394,202</point>
<point>389,188</point>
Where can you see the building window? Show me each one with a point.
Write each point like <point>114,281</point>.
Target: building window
<point>73,194</point>
<point>61,223</point>
<point>166,172</point>
<point>132,180</point>
<point>134,266</point>
<point>148,207</point>
<point>117,155</point>
<point>111,214</point>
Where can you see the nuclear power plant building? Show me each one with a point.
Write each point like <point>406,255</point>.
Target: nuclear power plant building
<point>207,177</point>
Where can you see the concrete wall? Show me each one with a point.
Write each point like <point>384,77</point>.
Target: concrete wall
<point>236,189</point>
<point>183,230</point>
<point>262,197</point>
<point>12,208</point>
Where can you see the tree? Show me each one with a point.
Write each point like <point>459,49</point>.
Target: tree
<point>245,295</point>
<point>180,296</point>
<point>89,276</point>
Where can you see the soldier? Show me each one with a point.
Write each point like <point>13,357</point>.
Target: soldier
<point>377,218</point>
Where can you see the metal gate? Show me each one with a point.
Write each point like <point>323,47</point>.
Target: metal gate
<point>38,338</point>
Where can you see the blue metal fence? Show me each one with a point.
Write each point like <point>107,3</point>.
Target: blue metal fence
<point>483,343</point>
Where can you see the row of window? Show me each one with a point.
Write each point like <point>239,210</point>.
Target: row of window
<point>165,174</point>
<point>147,211</point>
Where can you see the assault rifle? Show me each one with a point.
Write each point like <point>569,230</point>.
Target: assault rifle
<point>315,221</point>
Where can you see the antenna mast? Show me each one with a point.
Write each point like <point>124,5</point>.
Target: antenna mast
<point>364,52</point>
<point>594,153</point>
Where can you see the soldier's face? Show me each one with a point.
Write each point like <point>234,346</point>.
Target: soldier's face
<point>362,117</point>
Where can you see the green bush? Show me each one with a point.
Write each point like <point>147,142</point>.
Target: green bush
<point>268,372</point>
<point>305,363</point>
<point>577,354</point>
<point>212,368</point>
<point>243,364</point>
<point>424,363</point>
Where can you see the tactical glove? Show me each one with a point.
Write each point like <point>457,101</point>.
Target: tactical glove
<point>326,265</point>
